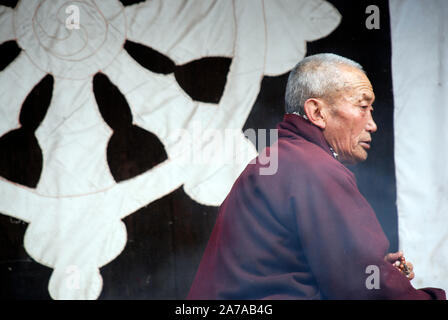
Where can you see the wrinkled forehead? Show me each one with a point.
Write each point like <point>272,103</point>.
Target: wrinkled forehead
<point>357,86</point>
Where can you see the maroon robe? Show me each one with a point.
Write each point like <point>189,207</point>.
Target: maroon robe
<point>305,232</point>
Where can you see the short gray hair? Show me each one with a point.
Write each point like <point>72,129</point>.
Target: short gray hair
<point>316,76</point>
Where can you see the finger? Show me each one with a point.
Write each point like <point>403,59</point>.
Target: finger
<point>411,276</point>
<point>389,257</point>
<point>410,266</point>
<point>392,257</point>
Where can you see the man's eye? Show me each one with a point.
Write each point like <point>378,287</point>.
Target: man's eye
<point>366,108</point>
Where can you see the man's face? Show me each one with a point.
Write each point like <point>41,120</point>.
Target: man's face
<point>349,122</point>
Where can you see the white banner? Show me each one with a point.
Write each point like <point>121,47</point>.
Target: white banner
<point>75,211</point>
<point>419,71</point>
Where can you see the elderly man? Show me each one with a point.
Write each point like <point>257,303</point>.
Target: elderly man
<point>306,232</point>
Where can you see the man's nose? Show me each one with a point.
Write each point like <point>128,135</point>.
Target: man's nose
<point>371,125</point>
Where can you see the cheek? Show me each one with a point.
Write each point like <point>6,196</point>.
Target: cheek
<point>355,140</point>
<point>357,132</point>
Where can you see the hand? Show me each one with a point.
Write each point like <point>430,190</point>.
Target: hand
<point>398,261</point>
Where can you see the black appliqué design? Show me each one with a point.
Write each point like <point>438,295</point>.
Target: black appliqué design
<point>9,50</point>
<point>203,79</point>
<point>21,156</point>
<point>130,2</point>
<point>9,3</point>
<point>131,149</point>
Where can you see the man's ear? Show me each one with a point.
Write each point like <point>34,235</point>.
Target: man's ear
<point>314,110</point>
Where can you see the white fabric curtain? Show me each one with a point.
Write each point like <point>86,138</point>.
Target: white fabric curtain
<point>76,209</point>
<point>420,70</point>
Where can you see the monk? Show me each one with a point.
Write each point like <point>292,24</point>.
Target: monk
<point>305,231</point>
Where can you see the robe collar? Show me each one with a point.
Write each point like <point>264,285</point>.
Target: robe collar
<point>293,125</point>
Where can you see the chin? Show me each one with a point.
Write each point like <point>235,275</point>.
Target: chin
<point>360,159</point>
<point>354,159</point>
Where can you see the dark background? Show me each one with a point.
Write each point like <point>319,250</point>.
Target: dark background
<point>166,239</point>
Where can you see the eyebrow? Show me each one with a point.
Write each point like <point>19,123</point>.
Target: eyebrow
<point>366,97</point>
